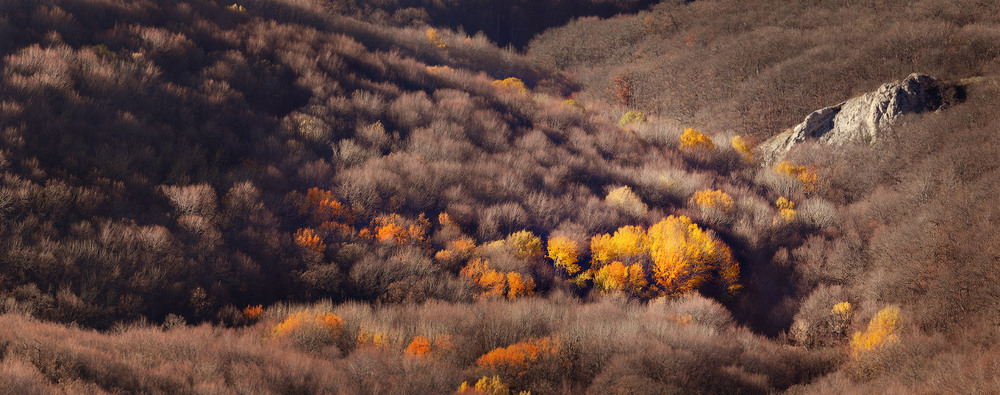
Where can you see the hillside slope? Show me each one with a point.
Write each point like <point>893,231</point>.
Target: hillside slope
<point>274,196</point>
<point>758,67</point>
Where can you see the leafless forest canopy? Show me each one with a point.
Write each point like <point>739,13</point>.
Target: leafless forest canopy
<point>555,196</point>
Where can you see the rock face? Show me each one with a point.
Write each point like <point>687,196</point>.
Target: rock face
<point>863,119</point>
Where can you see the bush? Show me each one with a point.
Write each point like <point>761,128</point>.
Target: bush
<point>632,117</point>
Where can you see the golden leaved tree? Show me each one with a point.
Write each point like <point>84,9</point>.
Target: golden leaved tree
<point>673,257</point>
<point>565,253</point>
<point>806,175</point>
<point>709,199</point>
<point>684,257</point>
<point>692,139</point>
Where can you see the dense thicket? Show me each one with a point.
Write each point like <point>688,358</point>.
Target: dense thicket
<point>349,206</point>
<point>547,345</point>
<point>160,167</point>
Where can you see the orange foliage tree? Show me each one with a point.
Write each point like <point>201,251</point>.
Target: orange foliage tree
<point>422,347</point>
<point>308,320</point>
<point>623,90</point>
<point>396,229</point>
<point>328,215</point>
<point>439,69</point>
<point>321,206</point>
<point>307,237</point>
<point>252,313</point>
<point>457,250</point>
<point>419,347</point>
<point>516,360</point>
<point>494,283</point>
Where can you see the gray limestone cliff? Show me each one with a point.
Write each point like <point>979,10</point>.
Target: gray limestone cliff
<point>863,119</point>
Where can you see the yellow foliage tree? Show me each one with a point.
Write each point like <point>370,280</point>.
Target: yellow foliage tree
<point>439,69</point>
<point>882,330</point>
<point>565,253</point>
<point>434,38</point>
<point>786,208</point>
<point>618,277</point>
<point>632,117</point>
<point>628,244</point>
<point>684,257</point>
<point>677,254</point>
<point>487,385</point>
<point>624,198</point>
<point>742,148</point>
<point>368,338</point>
<point>572,103</point>
<point>694,139</point>
<point>806,176</point>
<point>525,245</point>
<point>840,316</point>
<point>709,199</point>
<point>513,85</point>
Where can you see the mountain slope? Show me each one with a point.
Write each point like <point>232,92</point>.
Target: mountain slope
<point>338,205</point>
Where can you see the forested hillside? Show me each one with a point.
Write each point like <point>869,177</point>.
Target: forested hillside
<point>327,196</point>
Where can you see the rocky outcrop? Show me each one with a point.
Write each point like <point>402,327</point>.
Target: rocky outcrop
<point>863,119</point>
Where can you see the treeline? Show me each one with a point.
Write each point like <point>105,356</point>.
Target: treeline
<point>503,21</point>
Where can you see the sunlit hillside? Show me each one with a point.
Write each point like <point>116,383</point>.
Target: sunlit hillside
<point>560,196</point>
